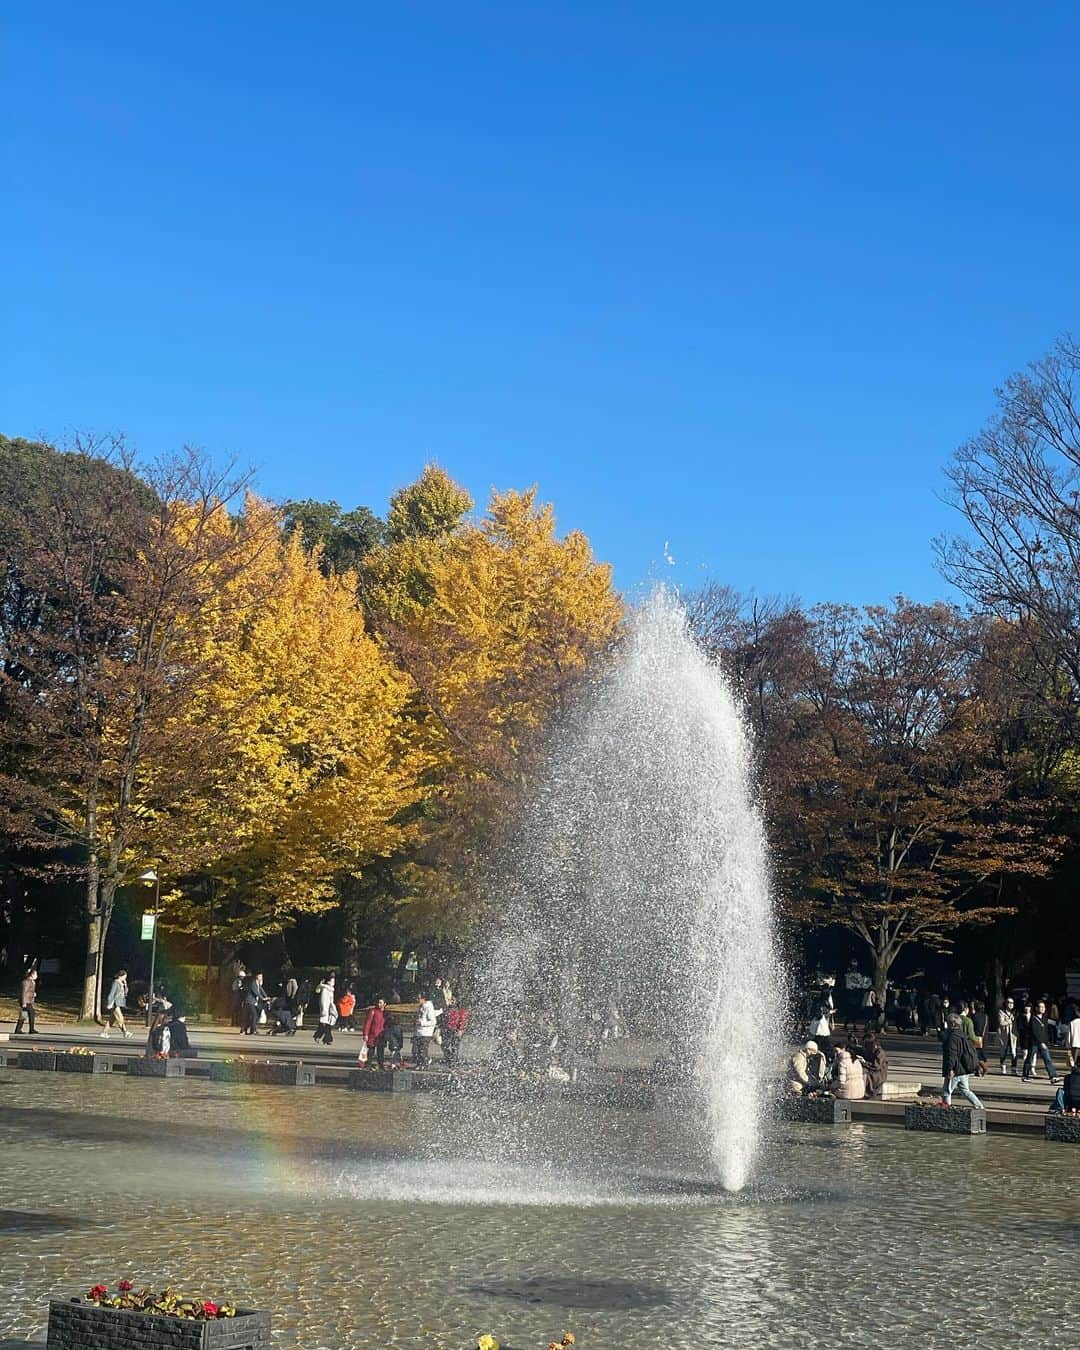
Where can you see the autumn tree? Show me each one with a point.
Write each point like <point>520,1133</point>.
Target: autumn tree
<point>514,615</point>
<point>317,765</point>
<point>903,828</point>
<point>121,568</point>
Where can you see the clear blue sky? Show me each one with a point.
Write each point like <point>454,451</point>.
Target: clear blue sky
<point>738,286</point>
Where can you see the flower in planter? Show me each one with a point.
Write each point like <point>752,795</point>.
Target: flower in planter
<point>167,1304</point>
<point>486,1343</point>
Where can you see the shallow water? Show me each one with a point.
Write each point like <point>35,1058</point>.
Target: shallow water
<point>311,1203</point>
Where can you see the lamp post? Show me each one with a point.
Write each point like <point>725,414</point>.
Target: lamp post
<point>152,875</point>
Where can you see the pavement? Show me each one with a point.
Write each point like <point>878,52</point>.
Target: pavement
<point>913,1060</point>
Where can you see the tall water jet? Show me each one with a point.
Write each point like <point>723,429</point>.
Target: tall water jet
<point>639,880</point>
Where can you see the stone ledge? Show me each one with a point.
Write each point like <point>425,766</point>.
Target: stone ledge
<point>1062,1129</point>
<point>292,1073</point>
<point>156,1068</point>
<point>817,1110</point>
<point>945,1119</point>
<point>87,1064</point>
<point>38,1059</point>
<point>381,1080</point>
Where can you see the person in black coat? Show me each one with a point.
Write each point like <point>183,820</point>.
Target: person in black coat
<point>1036,1039</point>
<point>180,1046</point>
<point>958,1060</point>
<point>254,1002</point>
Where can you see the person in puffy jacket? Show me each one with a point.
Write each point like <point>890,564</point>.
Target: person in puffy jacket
<point>806,1070</point>
<point>327,1011</point>
<point>849,1080</point>
<point>346,1007</point>
<point>427,1019</point>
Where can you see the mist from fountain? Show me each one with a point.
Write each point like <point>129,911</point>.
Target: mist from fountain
<point>639,880</point>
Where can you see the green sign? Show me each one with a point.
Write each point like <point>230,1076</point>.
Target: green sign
<point>148,921</point>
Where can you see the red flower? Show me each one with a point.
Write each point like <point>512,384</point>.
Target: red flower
<point>209,1308</point>
<point>98,1291</point>
<point>125,1286</point>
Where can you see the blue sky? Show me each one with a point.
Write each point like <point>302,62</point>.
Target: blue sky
<point>735,286</point>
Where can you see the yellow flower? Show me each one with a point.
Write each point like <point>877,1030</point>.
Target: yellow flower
<point>486,1343</point>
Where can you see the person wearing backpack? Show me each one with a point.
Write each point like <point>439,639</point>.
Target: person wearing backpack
<point>958,1059</point>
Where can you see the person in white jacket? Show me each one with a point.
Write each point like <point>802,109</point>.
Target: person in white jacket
<point>427,1019</point>
<point>327,1011</point>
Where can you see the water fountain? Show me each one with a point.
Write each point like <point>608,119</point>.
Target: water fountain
<point>638,880</point>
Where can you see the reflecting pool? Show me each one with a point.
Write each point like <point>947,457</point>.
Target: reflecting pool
<point>325,1207</point>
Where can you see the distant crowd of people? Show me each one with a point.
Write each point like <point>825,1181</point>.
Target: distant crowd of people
<point>440,1018</point>
<point>1024,1038</point>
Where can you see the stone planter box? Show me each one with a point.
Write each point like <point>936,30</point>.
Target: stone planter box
<point>817,1110</point>
<point>290,1073</point>
<point>945,1119</point>
<point>75,1325</point>
<point>156,1068</point>
<point>1062,1129</point>
<point>86,1064</point>
<point>38,1059</point>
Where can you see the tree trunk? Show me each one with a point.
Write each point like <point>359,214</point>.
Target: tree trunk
<point>350,939</point>
<point>883,963</point>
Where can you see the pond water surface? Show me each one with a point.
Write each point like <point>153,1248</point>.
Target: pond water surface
<point>337,1212</point>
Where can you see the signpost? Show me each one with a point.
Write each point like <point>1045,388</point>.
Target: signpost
<point>149,934</point>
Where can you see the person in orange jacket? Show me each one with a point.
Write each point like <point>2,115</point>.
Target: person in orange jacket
<point>346,1006</point>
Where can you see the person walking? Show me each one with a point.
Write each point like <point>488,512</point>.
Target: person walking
<point>1072,1036</point>
<point>966,1023</point>
<point>375,1034</point>
<point>253,1006</point>
<point>958,1060</point>
<point>981,1022</point>
<point>1007,1035</point>
<point>1038,1036</point>
<point>327,1011</point>
<point>27,1001</point>
<point>115,1005</point>
<point>821,1024</point>
<point>301,1000</point>
<point>236,996</point>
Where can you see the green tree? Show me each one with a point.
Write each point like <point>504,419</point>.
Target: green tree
<point>343,538</point>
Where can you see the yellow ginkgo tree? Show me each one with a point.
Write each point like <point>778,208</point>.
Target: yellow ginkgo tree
<point>317,763</point>
<point>512,617</point>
